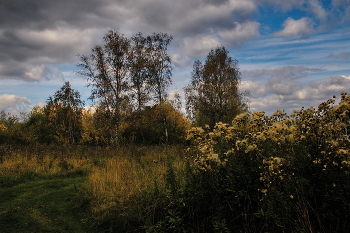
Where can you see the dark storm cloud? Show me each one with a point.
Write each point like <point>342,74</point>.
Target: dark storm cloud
<point>40,32</point>
<point>43,14</point>
<point>37,32</point>
<point>18,48</point>
<point>164,15</point>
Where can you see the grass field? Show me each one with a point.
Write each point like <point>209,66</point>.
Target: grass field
<point>274,173</point>
<point>42,205</point>
<point>81,189</point>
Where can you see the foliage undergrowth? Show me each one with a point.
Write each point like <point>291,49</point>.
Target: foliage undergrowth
<point>129,191</point>
<point>111,189</point>
<point>41,187</point>
<point>22,163</point>
<point>279,173</point>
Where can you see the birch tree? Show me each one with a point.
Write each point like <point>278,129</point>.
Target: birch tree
<point>160,70</point>
<point>106,71</point>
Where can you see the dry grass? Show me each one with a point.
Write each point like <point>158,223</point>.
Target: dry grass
<point>19,164</point>
<point>124,185</point>
<point>126,176</point>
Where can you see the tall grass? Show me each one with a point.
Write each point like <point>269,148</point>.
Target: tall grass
<point>128,191</point>
<point>279,173</point>
<point>125,188</point>
<point>19,164</point>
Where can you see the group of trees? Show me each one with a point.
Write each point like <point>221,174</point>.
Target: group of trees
<point>127,74</point>
<point>129,78</point>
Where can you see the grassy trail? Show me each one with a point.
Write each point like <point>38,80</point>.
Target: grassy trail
<point>47,205</point>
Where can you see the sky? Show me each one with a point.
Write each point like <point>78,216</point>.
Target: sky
<point>291,54</point>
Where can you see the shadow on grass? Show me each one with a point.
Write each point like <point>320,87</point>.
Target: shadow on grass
<point>42,206</point>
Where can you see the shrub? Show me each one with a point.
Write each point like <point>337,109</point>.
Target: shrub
<point>279,173</point>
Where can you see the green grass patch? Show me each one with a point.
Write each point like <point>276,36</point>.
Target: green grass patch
<point>46,205</point>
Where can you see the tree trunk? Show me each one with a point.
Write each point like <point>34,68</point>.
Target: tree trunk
<point>165,129</point>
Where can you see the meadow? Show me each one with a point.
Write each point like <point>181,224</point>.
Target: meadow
<point>278,173</point>
<point>83,189</point>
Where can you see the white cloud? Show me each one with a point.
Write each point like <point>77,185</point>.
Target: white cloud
<point>199,45</point>
<point>318,10</point>
<point>291,96</point>
<point>39,72</point>
<point>14,103</point>
<point>256,89</point>
<point>334,84</point>
<point>273,86</point>
<point>341,11</point>
<point>240,33</point>
<point>296,28</point>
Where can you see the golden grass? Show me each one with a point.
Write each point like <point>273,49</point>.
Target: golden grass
<point>126,183</point>
<point>123,177</point>
<point>20,164</point>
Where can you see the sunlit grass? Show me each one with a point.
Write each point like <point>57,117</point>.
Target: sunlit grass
<point>19,164</point>
<point>119,186</point>
<point>130,185</point>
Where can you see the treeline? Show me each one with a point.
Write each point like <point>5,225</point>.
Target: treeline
<point>60,122</point>
<point>129,80</point>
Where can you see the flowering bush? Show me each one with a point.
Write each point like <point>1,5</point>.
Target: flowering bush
<point>284,172</point>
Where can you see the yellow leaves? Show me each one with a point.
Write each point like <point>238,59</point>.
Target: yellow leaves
<point>345,163</point>
<point>263,190</point>
<point>274,164</point>
<point>250,148</point>
<point>241,120</point>
<point>190,136</point>
<point>342,152</point>
<point>318,134</point>
<point>260,136</point>
<point>3,127</point>
<point>195,133</point>
<point>258,114</point>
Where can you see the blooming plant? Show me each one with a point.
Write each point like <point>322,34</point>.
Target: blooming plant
<point>281,161</point>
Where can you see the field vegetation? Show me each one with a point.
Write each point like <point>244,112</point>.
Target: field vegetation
<point>279,173</point>
<point>134,162</point>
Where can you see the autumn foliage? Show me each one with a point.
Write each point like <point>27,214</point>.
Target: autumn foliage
<point>235,172</point>
<point>284,173</point>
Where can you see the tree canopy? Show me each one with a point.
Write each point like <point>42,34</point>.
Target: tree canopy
<point>213,95</point>
<point>129,79</point>
<point>126,74</point>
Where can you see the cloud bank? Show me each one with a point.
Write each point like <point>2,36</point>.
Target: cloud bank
<point>296,28</point>
<point>14,104</point>
<point>37,36</point>
<point>283,94</point>
<point>40,32</point>
<point>55,31</point>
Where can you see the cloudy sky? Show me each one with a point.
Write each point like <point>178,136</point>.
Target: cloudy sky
<point>291,53</point>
